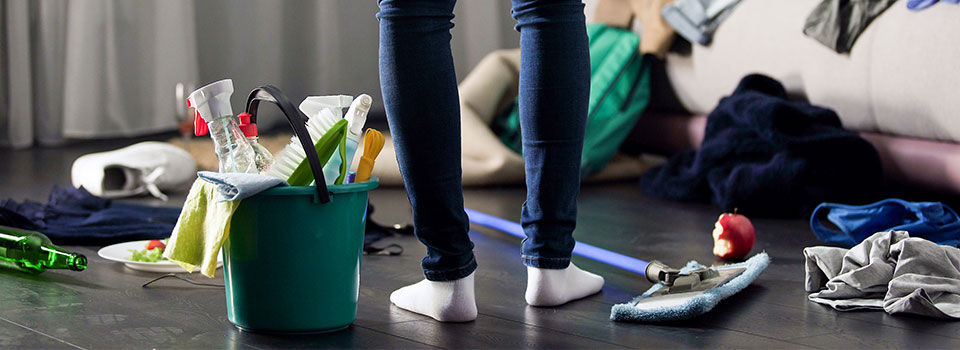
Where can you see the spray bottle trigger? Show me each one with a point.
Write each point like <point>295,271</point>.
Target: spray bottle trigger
<point>200,126</point>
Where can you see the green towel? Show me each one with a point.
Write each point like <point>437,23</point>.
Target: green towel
<point>202,228</point>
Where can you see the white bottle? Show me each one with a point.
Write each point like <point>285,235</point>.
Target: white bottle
<point>356,117</point>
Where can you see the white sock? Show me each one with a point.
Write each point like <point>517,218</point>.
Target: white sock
<point>551,287</point>
<point>447,301</point>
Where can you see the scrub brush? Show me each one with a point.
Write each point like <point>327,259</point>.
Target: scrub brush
<point>326,132</point>
<point>372,144</point>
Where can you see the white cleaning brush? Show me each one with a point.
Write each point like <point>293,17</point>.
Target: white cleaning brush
<point>292,158</point>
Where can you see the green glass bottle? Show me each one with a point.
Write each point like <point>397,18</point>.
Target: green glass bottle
<point>32,252</point>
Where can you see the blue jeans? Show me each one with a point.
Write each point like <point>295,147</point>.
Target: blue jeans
<point>420,95</point>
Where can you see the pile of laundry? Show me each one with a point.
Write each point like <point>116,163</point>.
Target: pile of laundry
<point>890,271</point>
<point>911,265</point>
<point>73,216</point>
<point>769,156</point>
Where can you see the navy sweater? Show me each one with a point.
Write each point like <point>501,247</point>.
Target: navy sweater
<point>768,156</point>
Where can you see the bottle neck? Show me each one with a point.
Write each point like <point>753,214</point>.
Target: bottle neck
<point>60,259</point>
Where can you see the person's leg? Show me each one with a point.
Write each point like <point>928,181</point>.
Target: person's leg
<point>554,91</point>
<point>420,96</point>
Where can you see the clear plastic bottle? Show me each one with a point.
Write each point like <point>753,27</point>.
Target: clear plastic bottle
<point>215,115</point>
<point>262,157</point>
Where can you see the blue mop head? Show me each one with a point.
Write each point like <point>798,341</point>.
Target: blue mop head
<point>695,305</point>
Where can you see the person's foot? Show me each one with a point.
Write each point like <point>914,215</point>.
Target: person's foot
<point>447,301</point>
<point>551,287</point>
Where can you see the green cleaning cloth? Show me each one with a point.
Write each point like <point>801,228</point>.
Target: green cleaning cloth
<point>201,229</point>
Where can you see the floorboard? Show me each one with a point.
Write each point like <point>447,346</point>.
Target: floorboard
<point>105,306</point>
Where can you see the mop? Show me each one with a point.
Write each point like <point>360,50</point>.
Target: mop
<point>677,294</point>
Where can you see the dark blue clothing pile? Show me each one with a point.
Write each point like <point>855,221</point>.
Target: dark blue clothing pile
<point>768,156</point>
<point>73,216</point>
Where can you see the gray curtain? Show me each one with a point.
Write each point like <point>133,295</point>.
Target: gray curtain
<point>92,68</point>
<point>108,68</point>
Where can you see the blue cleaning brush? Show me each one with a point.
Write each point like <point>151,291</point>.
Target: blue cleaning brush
<point>677,294</point>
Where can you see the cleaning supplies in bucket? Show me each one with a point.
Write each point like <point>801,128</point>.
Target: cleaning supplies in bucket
<point>261,156</point>
<point>280,227</point>
<point>356,117</point>
<point>201,229</point>
<point>372,144</point>
<point>214,115</point>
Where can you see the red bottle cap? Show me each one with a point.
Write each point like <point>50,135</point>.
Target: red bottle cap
<point>249,129</point>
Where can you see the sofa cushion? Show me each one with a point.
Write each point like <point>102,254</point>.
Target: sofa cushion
<point>900,77</point>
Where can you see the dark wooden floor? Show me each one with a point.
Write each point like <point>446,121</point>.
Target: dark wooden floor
<point>105,307</point>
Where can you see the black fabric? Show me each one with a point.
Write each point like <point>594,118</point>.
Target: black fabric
<point>767,156</point>
<point>376,232</point>
<point>73,216</point>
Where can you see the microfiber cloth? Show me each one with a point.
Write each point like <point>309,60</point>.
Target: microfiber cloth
<point>933,221</point>
<point>237,186</point>
<point>890,271</point>
<point>73,216</point>
<point>696,20</point>
<point>769,156</point>
<point>201,229</point>
<point>696,304</point>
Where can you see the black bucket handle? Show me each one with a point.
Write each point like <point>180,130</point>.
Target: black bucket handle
<point>297,121</point>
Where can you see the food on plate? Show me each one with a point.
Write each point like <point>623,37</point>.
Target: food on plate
<point>153,252</point>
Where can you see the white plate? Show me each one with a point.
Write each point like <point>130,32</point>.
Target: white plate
<point>120,252</point>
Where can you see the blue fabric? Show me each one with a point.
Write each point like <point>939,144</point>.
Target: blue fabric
<point>422,105</point>
<point>73,216</point>
<point>933,221</point>
<point>768,156</point>
<point>694,305</point>
<point>237,186</point>
<point>917,5</point>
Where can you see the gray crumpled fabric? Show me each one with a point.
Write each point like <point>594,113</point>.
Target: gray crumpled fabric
<point>838,23</point>
<point>889,271</point>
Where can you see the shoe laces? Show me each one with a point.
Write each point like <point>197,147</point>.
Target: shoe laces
<point>150,182</point>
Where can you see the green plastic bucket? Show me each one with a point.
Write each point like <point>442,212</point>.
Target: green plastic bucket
<point>291,262</point>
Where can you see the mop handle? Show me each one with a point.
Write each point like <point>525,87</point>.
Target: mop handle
<point>582,249</point>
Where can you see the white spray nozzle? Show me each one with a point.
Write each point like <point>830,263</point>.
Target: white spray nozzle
<point>213,100</point>
<point>312,105</point>
<point>357,114</point>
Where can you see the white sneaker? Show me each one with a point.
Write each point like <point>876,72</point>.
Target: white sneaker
<point>140,168</point>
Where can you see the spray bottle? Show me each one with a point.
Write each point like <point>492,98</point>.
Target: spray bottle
<point>215,115</point>
<point>328,108</point>
<point>356,117</point>
<point>262,157</point>
<point>312,105</point>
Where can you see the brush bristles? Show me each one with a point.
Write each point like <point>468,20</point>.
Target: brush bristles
<point>290,157</point>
